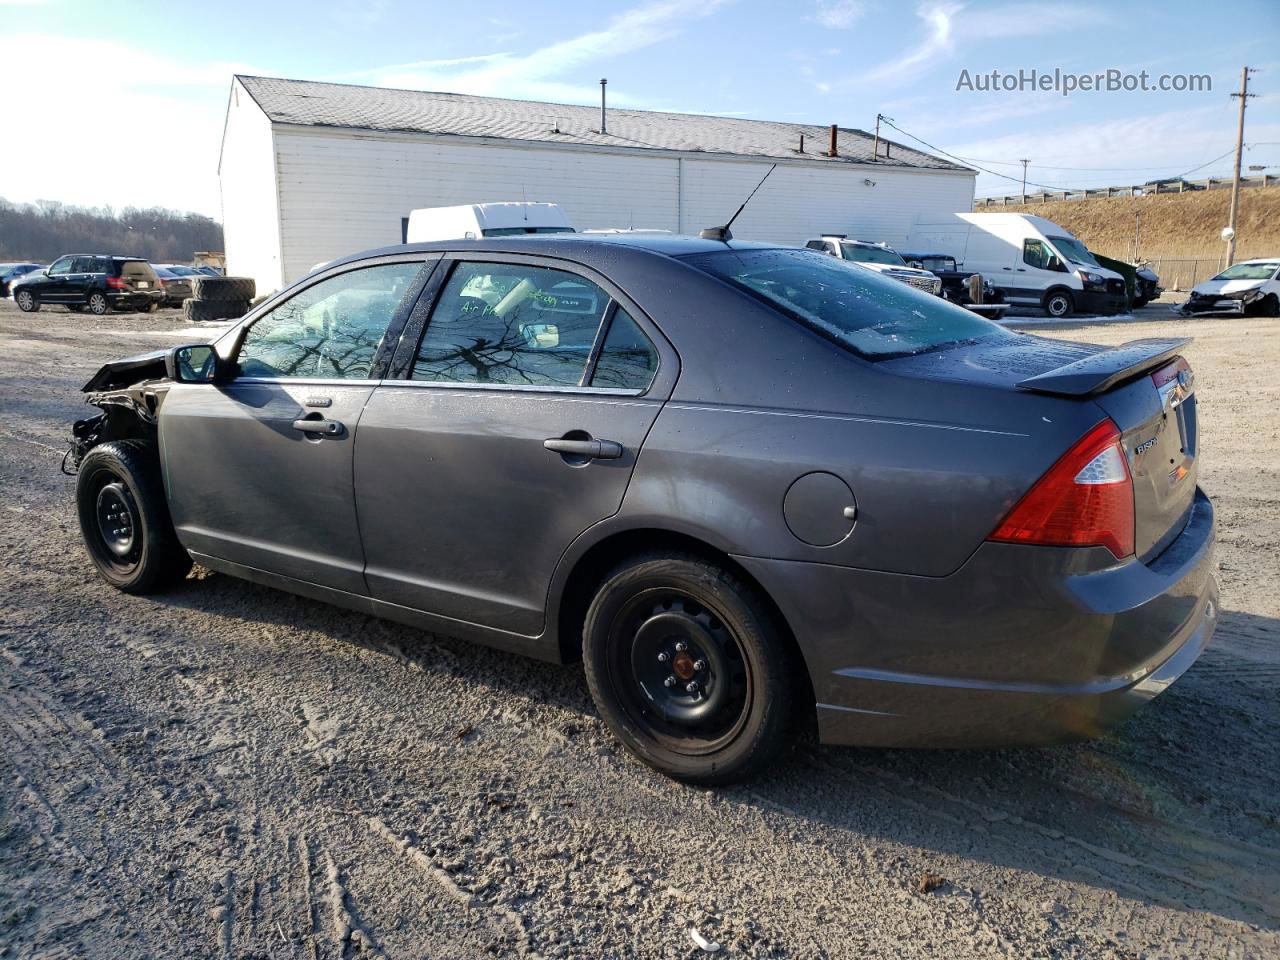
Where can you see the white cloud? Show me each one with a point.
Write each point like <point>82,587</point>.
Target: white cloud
<point>538,75</point>
<point>838,14</point>
<point>147,134</point>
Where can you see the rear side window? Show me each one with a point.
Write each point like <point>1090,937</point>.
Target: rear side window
<point>511,324</point>
<point>627,359</point>
<point>332,329</point>
<point>136,270</point>
<point>876,317</point>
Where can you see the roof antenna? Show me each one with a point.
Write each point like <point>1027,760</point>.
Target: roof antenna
<point>722,233</point>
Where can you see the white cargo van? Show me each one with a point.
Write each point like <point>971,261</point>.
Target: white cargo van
<point>471,221</point>
<point>1030,260</point>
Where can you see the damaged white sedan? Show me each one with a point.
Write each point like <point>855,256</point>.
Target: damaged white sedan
<point>1251,287</point>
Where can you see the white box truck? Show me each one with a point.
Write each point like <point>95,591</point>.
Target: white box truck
<point>1030,260</point>
<point>471,221</point>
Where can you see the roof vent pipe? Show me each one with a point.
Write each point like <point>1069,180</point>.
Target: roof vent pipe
<point>604,128</point>
<point>831,151</point>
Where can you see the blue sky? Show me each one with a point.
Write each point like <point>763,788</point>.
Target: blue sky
<point>143,86</point>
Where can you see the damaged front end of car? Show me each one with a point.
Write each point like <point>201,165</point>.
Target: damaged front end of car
<point>1236,303</point>
<point>129,393</point>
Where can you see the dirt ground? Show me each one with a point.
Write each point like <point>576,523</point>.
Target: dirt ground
<point>227,771</point>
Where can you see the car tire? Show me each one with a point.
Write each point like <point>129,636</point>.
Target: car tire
<point>1268,306</point>
<point>728,711</point>
<point>98,304</point>
<point>200,311</point>
<point>1059,303</point>
<point>27,301</point>
<point>124,518</point>
<point>151,307</point>
<point>76,307</point>
<point>223,288</point>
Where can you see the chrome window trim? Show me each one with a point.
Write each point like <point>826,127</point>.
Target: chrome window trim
<point>516,388</point>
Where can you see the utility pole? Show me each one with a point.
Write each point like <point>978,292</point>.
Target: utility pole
<point>875,149</point>
<point>1244,96</point>
<point>1024,179</point>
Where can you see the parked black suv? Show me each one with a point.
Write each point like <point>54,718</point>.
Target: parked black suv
<point>98,282</point>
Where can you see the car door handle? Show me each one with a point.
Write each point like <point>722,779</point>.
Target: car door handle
<point>592,449</point>
<point>328,428</point>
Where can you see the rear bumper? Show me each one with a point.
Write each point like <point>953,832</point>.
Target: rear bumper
<point>1022,645</point>
<point>135,299</point>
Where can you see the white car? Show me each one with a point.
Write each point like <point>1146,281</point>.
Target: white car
<point>1250,286</point>
<point>878,257</point>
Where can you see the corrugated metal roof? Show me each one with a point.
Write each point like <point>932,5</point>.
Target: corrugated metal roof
<point>455,114</point>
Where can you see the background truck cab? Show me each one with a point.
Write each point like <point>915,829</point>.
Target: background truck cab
<point>878,257</point>
<point>1030,260</point>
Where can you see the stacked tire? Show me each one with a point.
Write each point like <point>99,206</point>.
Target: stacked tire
<point>218,298</point>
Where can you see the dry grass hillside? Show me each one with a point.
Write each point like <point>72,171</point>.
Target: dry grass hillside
<point>1174,225</point>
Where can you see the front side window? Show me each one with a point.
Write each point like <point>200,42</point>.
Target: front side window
<point>61,267</point>
<point>330,330</point>
<point>1036,253</point>
<point>511,324</point>
<point>875,316</point>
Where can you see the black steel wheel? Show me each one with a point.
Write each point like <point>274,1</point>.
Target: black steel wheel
<point>27,301</point>
<point>124,518</point>
<point>687,668</point>
<point>98,303</point>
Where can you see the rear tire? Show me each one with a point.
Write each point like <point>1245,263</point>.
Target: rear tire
<point>1059,303</point>
<point>98,304</point>
<point>151,307</point>
<point>27,301</point>
<point>124,518</point>
<point>728,711</point>
<point>75,307</point>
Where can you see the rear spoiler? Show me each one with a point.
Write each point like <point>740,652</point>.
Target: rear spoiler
<point>1103,370</point>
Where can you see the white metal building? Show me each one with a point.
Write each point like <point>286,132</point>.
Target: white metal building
<point>312,171</point>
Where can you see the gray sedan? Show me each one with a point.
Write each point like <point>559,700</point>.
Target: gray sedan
<point>747,486</point>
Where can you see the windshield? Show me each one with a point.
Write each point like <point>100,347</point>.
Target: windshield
<point>872,315</point>
<point>1249,271</point>
<point>861,254</point>
<point>1075,251</point>
<point>933,264</point>
<point>521,231</point>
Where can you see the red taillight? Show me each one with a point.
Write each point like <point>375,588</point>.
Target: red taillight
<point>116,283</point>
<point>1085,499</point>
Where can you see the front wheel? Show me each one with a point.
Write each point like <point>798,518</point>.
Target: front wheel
<point>1059,303</point>
<point>98,304</point>
<point>687,668</point>
<point>124,519</point>
<point>27,301</point>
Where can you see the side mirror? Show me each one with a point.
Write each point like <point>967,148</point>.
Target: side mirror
<point>194,363</point>
<point>1053,263</point>
<point>917,264</point>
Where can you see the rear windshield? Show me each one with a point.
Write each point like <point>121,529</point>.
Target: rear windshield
<point>876,317</point>
<point>137,270</point>
<point>932,263</point>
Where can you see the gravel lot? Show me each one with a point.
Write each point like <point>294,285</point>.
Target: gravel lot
<point>229,771</point>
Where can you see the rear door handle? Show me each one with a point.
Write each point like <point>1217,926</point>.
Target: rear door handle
<point>592,449</point>
<point>328,428</point>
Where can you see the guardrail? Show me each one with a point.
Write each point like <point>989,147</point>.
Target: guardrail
<point>1133,190</point>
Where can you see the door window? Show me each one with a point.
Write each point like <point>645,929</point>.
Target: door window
<point>511,324</point>
<point>1036,253</point>
<point>61,267</point>
<point>330,330</point>
<point>628,359</point>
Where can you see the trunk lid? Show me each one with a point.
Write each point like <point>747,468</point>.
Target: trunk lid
<point>1144,386</point>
